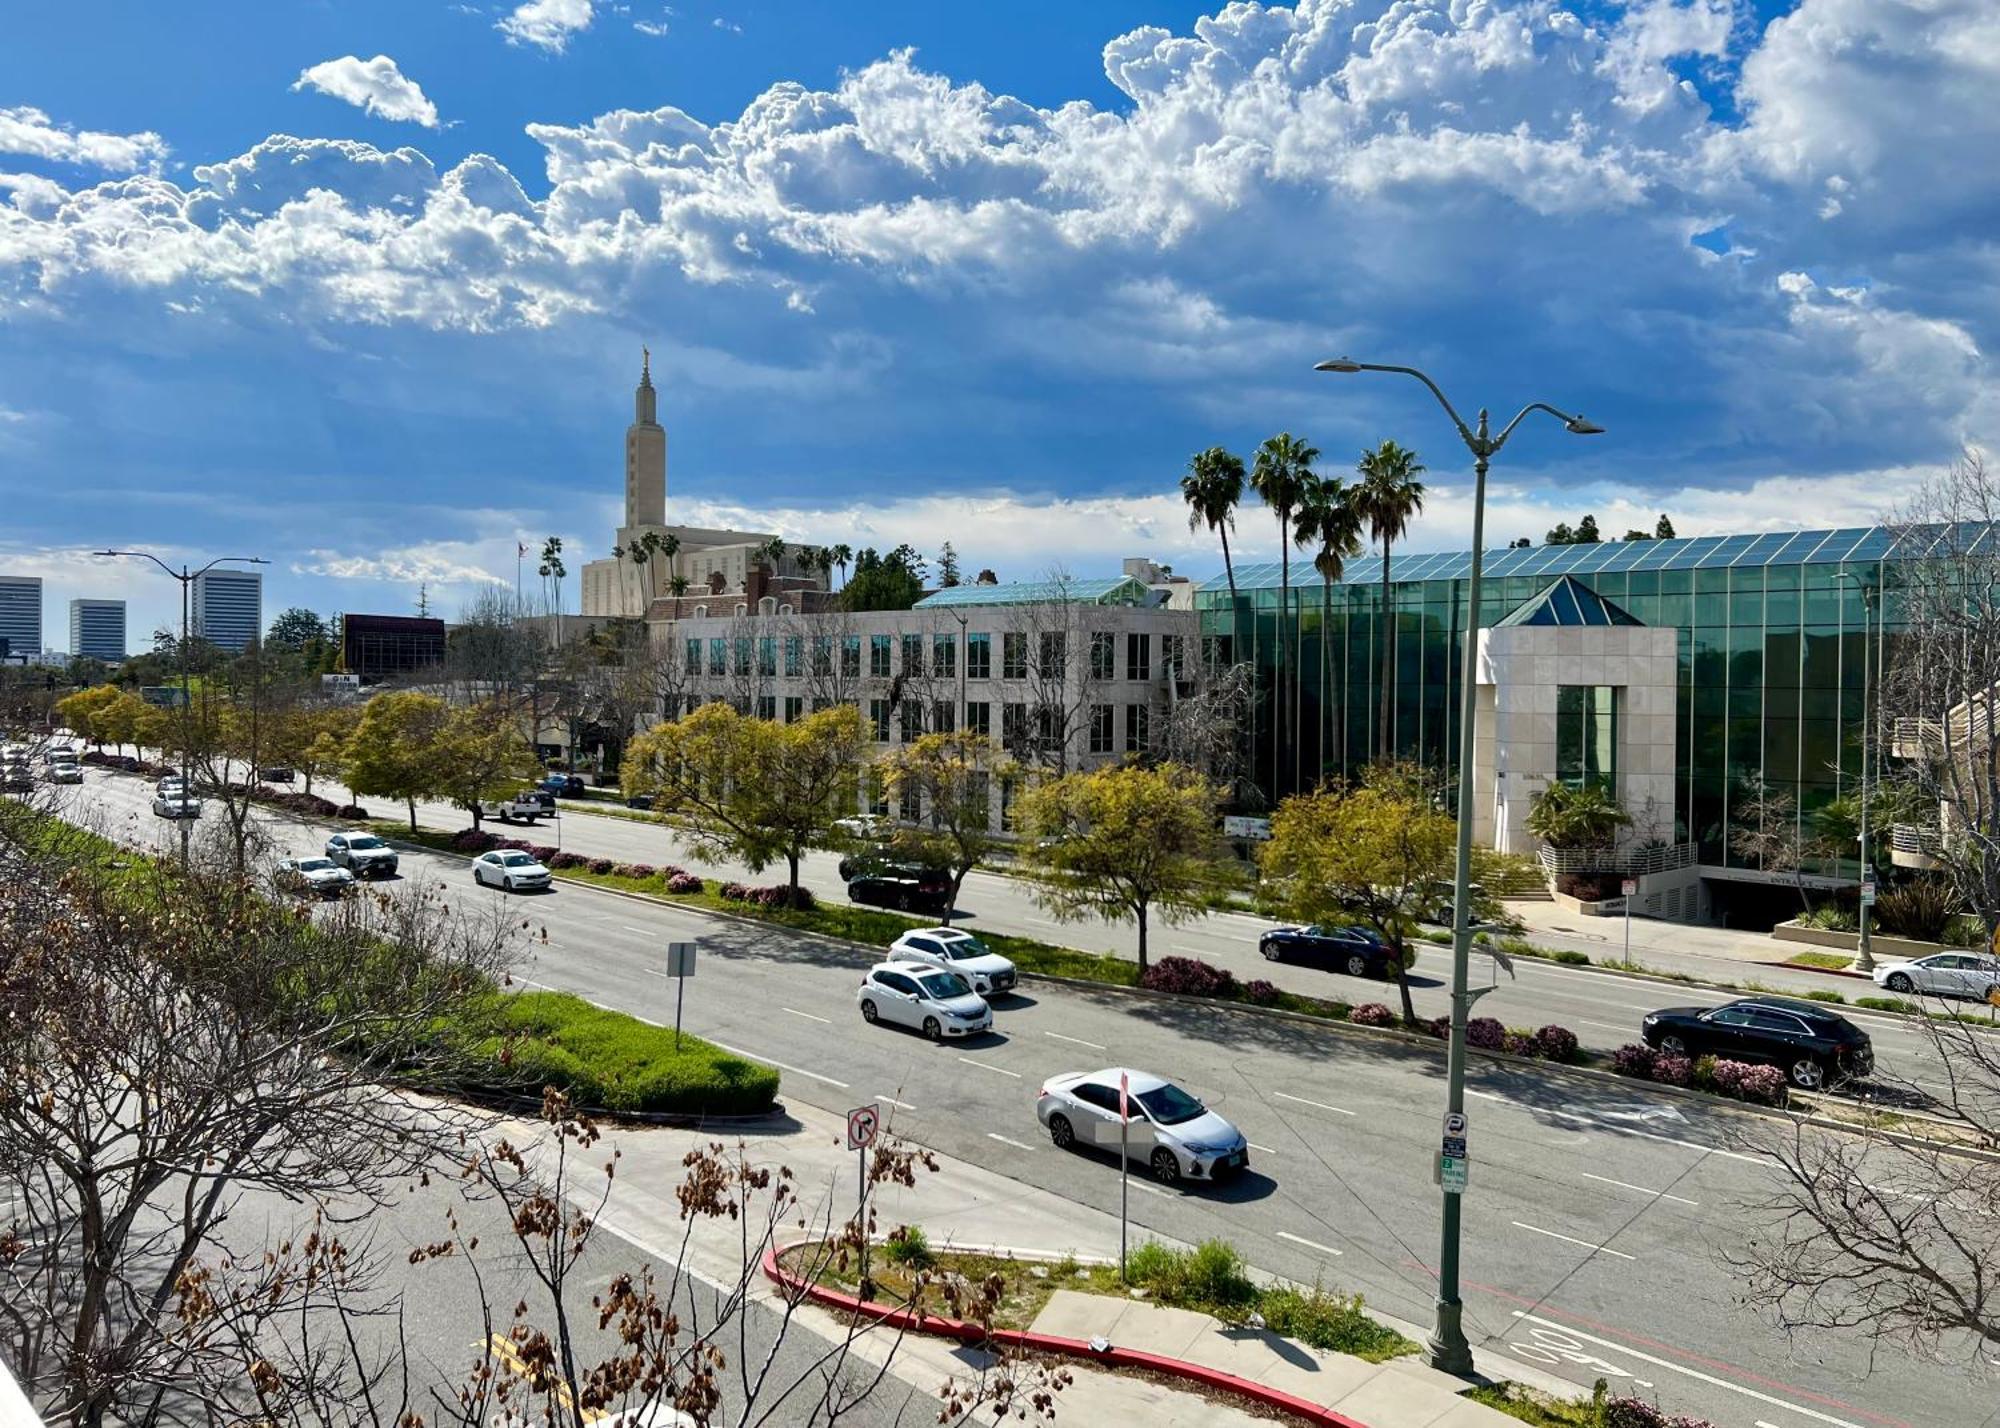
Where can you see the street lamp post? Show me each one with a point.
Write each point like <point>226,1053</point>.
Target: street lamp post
<point>1865,952</point>
<point>1447,1346</point>
<point>186,579</point>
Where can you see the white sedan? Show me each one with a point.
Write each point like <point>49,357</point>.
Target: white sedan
<point>926,999</point>
<point>1165,1128</point>
<point>313,875</point>
<point>509,869</point>
<point>65,773</point>
<point>960,952</point>
<point>1944,974</point>
<point>176,805</point>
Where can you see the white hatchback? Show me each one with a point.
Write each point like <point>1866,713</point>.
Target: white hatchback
<point>960,952</point>
<point>509,869</point>
<point>1943,974</point>
<point>927,999</point>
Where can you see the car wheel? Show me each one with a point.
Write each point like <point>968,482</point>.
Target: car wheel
<point>1166,1167</point>
<point>506,885</point>
<point>931,1029</point>
<point>1357,965</point>
<point>1807,1073</point>
<point>868,1012</point>
<point>1272,951</point>
<point>1673,1046</point>
<point>1900,982</point>
<point>1061,1132</point>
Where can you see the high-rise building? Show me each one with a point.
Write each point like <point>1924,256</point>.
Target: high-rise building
<point>20,616</point>
<point>228,608</point>
<point>97,629</point>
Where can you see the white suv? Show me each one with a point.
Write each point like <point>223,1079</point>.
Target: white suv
<point>960,952</point>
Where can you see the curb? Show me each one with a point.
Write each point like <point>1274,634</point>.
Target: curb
<point>1111,1355</point>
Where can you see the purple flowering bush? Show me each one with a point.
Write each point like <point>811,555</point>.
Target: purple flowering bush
<point>1260,992</point>
<point>1634,1059</point>
<point>679,882</point>
<point>1485,1033</point>
<point>1673,1070</point>
<point>1188,976</point>
<point>1372,1014</point>
<point>1556,1043</point>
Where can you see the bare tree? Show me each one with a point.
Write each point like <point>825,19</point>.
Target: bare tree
<point>1205,712</point>
<point>1061,680</point>
<point>1766,830</point>
<point>831,656</point>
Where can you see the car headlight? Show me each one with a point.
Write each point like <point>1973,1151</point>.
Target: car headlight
<point>1197,1148</point>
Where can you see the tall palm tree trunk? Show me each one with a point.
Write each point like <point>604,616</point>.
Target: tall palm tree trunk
<point>1325,669</point>
<point>1283,653</point>
<point>1386,739</point>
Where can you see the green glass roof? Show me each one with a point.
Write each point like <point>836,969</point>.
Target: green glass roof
<point>1118,590</point>
<point>1568,602</point>
<point>1821,547</point>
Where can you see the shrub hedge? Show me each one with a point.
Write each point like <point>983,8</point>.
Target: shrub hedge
<point>1190,976</point>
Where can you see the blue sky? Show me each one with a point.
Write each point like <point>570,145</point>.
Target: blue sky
<point>360,287</point>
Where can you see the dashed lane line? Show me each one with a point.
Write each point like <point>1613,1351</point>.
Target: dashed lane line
<point>1571,1239</point>
<point>1321,1105</point>
<point>989,1066</point>
<point>1075,1040</point>
<point>899,1105</point>
<point>1309,1244</point>
<point>1607,1180</point>
<point>1008,1140</point>
<point>807,1015</point>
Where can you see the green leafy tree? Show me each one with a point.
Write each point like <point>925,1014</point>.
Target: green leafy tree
<point>1370,855</point>
<point>1663,529</point>
<point>84,711</point>
<point>1561,534</point>
<point>1119,843</point>
<point>1389,496</point>
<point>1566,817</point>
<point>1586,531</point>
<point>750,789</point>
<point>479,754</point>
<point>296,629</point>
<point>1213,488</point>
<point>947,566</point>
<point>952,777</point>
<point>392,752</point>
<point>884,582</point>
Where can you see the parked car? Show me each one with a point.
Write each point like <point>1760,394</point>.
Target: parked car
<point>169,783</point>
<point>362,854</point>
<point>277,773</point>
<point>1354,950</point>
<point>313,875</point>
<point>509,869</point>
<point>641,801</point>
<point>927,999</point>
<point>522,807</point>
<point>1944,974</point>
<point>885,858</point>
<point>61,753</point>
<point>906,889</point>
<point>66,773</point>
<point>960,952</point>
<point>562,785</point>
<point>867,827</point>
<point>176,805</point>
<point>1813,1046</point>
<point>1171,1132</point>
<point>17,778</point>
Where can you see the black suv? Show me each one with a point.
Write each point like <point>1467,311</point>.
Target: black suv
<point>1811,1045</point>
<point>903,886</point>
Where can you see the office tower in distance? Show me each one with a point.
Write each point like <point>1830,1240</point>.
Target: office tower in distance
<point>228,608</point>
<point>20,616</point>
<point>97,629</point>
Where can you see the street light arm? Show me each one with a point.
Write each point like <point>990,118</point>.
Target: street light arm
<point>226,559</point>
<point>1574,423</point>
<point>1464,431</point>
<point>143,555</point>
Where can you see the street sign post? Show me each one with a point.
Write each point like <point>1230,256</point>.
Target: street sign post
<point>862,1124</point>
<point>680,966</point>
<point>1630,888</point>
<point>1124,1160</point>
<point>1453,1157</point>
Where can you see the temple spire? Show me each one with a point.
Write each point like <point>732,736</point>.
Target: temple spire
<point>645,366</point>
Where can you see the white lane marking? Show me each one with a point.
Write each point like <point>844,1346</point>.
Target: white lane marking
<point>1261,1149</point>
<point>1484,1095</point>
<point>1607,1180</point>
<point>1149,1189</point>
<point>1762,1424</point>
<point>1075,1040</point>
<point>807,1015</point>
<point>1571,1239</point>
<point>1710,1379</point>
<point>988,1066</point>
<point>529,982</point>
<point>1008,1140</point>
<point>758,1056</point>
<point>1285,1096</point>
<point>1602,1025</point>
<point>642,931</point>
<point>1309,1244</point>
<point>1664,1139</point>
<point>900,1105</point>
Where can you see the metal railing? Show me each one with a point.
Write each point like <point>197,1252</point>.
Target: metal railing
<point>1636,860</point>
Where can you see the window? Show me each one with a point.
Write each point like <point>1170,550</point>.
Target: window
<point>979,718</point>
<point>767,706</point>
<point>912,714</point>
<point>850,656</point>
<point>1014,655</point>
<point>1172,656</point>
<point>694,656</point>
<point>1105,1098</point>
<point>794,656</point>
<point>1100,729</point>
<point>1138,656</point>
<point>742,654</point>
<point>1013,725</point>
<point>878,716</point>
<point>822,655</point>
<point>767,656</point>
<point>911,806</point>
<point>795,708</point>
<point>944,656</point>
<point>1051,726</point>
<point>1054,653</point>
<point>978,800</point>
<point>718,656</point>
<point>943,717</point>
<point>878,656</point>
<point>979,656</point>
<point>913,655</point>
<point>1138,728</point>
<point>1586,735</point>
<point>897,982</point>
<point>1103,654</point>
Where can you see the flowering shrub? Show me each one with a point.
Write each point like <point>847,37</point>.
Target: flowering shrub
<point>783,895</point>
<point>734,892</point>
<point>1485,1033</point>
<point>1261,992</point>
<point>679,882</point>
<point>634,870</point>
<point>540,852</point>
<point>568,860</point>
<point>1372,1014</point>
<point>1518,1042</point>
<point>601,866</point>
<point>1188,976</point>
<point>1673,1070</point>
<point>1555,1043</point>
<point>1764,1085</point>
<point>1634,1059</point>
<point>1727,1077</point>
<point>473,840</point>
<point>1637,1413</point>
<point>1440,1027</point>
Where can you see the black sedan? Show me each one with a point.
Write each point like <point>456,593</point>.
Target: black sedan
<point>1353,950</point>
<point>1811,1045</point>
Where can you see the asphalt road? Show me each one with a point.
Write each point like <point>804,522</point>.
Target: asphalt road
<point>1599,1214</point>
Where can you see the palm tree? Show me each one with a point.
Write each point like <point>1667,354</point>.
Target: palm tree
<point>552,570</point>
<point>1327,518</point>
<point>839,555</point>
<point>1282,475</point>
<point>1212,488</point>
<point>677,586</point>
<point>669,545</point>
<point>1388,497</point>
<point>773,551</point>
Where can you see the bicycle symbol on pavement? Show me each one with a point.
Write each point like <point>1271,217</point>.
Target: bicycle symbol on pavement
<point>1555,1349</point>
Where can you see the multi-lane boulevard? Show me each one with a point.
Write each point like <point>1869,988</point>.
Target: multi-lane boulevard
<point>1597,1222</point>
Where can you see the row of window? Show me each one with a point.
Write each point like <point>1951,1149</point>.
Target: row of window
<point>735,655</point>
<point>1020,723</point>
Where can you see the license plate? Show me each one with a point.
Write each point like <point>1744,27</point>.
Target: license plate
<point>1235,1161</point>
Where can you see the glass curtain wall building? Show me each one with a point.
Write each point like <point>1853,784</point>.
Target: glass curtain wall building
<point>1773,648</point>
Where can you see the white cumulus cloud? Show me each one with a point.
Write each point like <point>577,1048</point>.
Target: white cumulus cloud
<point>27,130</point>
<point>375,85</point>
<point>545,24</point>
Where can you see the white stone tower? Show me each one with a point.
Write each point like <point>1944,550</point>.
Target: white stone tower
<point>645,456</point>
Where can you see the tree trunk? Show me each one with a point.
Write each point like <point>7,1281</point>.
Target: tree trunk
<point>1403,980</point>
<point>957,882</point>
<point>1283,655</point>
<point>473,809</point>
<point>1326,674</point>
<point>1142,939</point>
<point>1385,742</point>
<point>413,813</point>
<point>792,889</point>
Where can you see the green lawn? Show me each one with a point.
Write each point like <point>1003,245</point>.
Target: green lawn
<point>1823,961</point>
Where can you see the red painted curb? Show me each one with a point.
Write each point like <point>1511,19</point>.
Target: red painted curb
<point>968,1332</point>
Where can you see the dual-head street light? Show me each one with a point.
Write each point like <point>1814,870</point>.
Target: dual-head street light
<point>1447,1346</point>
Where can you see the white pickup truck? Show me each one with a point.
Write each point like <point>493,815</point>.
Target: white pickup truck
<point>523,807</point>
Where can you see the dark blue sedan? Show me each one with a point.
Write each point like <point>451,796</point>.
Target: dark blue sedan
<point>1353,950</point>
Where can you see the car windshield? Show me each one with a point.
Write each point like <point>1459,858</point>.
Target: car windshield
<point>366,840</point>
<point>516,860</point>
<point>314,865</point>
<point>964,949</point>
<point>1170,1105</point>
<point>944,985</point>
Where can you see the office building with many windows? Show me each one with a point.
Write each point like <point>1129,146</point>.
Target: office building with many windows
<point>97,629</point>
<point>227,608</point>
<point>1683,674</point>
<point>20,616</point>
